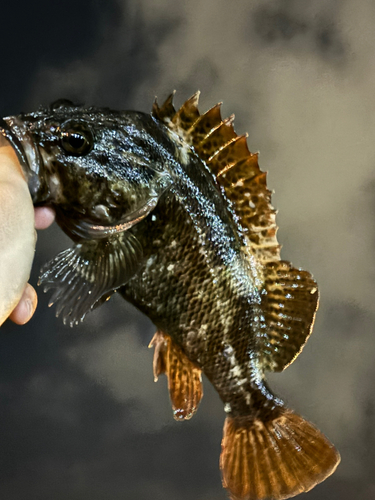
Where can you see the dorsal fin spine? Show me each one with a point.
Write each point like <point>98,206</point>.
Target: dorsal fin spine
<point>211,111</point>
<point>227,122</point>
<point>229,143</point>
<point>166,111</point>
<point>213,115</point>
<point>238,145</point>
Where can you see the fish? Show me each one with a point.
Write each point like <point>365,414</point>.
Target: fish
<point>171,210</point>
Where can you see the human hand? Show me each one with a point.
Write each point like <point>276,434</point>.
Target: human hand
<point>18,220</point>
<point>25,309</point>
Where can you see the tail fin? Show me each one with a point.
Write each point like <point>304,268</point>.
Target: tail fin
<point>275,459</point>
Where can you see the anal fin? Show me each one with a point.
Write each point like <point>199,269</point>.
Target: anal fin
<point>184,378</point>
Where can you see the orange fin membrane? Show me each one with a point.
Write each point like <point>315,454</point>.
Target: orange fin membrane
<point>276,459</point>
<point>289,304</point>
<point>184,378</point>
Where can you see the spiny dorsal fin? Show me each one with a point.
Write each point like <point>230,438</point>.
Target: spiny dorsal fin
<point>234,166</point>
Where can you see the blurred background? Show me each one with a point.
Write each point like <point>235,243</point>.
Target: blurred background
<point>81,417</point>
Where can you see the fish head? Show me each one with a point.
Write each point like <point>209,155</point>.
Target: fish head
<point>101,170</point>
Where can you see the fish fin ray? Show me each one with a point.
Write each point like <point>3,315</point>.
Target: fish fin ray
<point>289,303</point>
<point>81,276</point>
<point>235,167</point>
<point>166,111</point>
<point>277,458</point>
<point>246,189</point>
<point>187,115</point>
<point>232,152</point>
<point>159,343</point>
<point>204,126</point>
<point>184,378</point>
<point>220,138</point>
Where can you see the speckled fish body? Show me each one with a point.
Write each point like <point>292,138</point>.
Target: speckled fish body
<point>196,284</point>
<point>172,211</point>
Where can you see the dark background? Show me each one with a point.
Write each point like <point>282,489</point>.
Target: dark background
<point>81,417</point>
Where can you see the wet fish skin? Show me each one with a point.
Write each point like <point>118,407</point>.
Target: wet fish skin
<point>201,298</point>
<point>147,202</point>
<point>99,186</point>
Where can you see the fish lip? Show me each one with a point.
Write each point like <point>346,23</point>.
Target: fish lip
<point>27,151</point>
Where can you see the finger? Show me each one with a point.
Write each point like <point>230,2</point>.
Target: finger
<point>26,306</point>
<point>44,216</point>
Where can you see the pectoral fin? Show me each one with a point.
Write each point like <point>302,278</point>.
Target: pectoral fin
<point>83,275</point>
<point>184,378</point>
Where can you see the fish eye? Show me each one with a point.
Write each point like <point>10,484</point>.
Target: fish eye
<point>77,139</point>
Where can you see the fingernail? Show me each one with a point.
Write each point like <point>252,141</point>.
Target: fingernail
<point>29,307</point>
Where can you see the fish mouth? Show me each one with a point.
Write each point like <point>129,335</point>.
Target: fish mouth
<point>15,131</point>
<point>86,229</point>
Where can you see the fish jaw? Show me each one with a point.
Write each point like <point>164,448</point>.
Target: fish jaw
<point>90,230</point>
<point>15,130</point>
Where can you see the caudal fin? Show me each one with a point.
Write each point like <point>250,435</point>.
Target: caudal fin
<point>275,459</point>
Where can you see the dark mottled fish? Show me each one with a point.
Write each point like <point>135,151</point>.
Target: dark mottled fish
<point>172,211</point>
